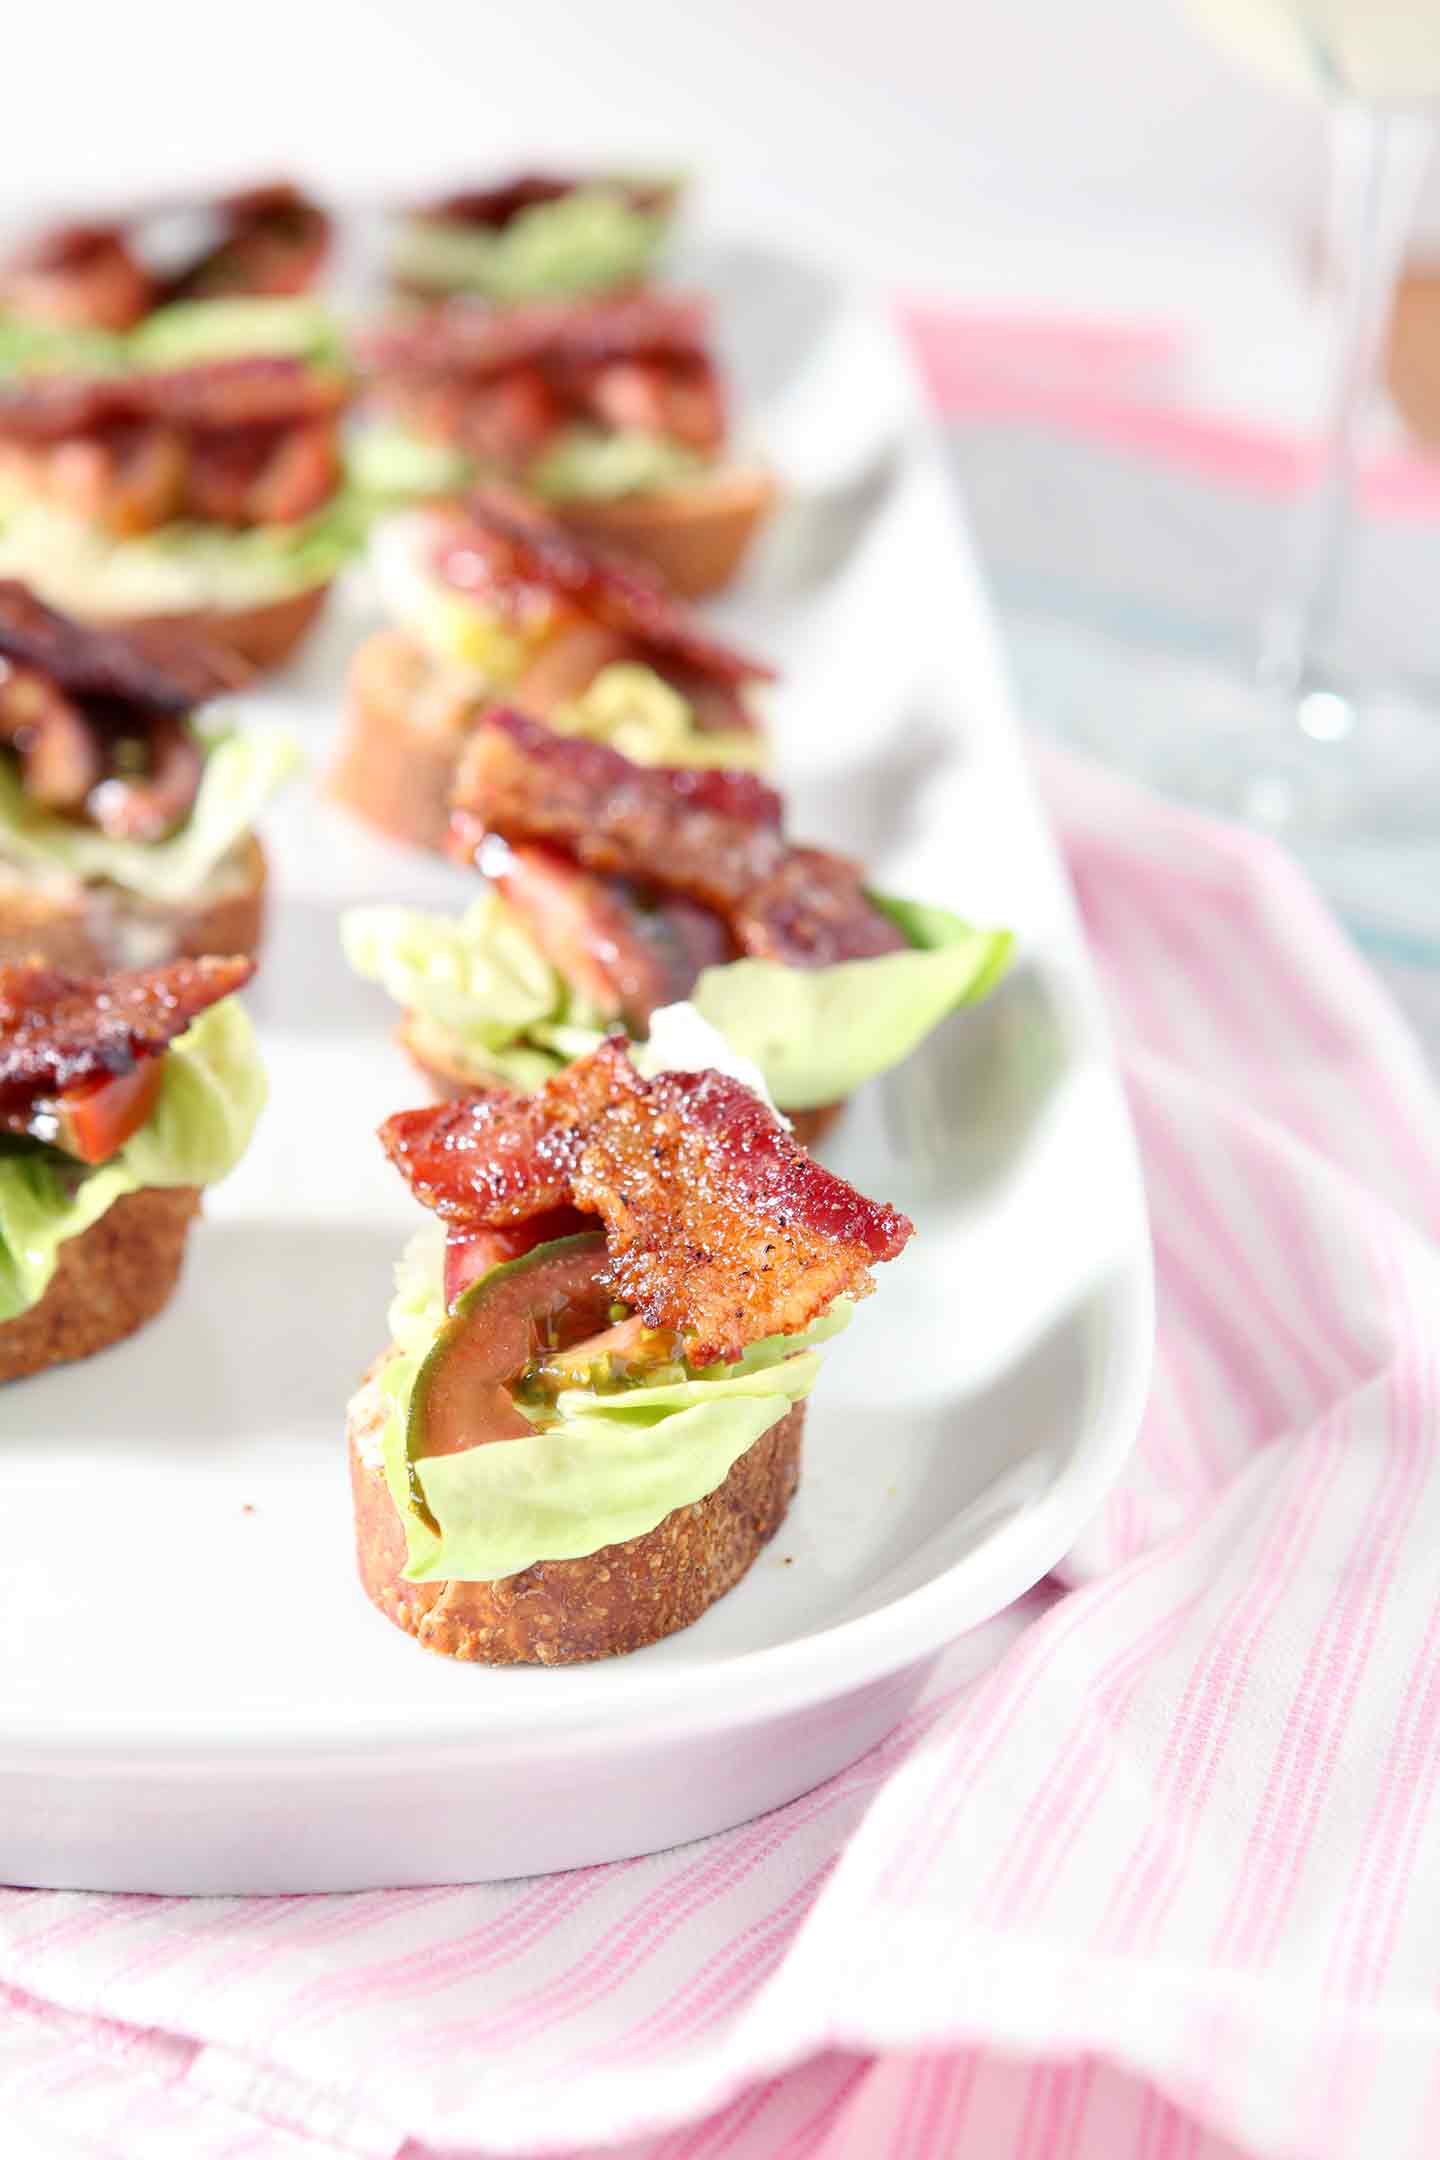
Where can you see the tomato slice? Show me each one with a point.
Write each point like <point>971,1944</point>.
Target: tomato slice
<point>94,1119</point>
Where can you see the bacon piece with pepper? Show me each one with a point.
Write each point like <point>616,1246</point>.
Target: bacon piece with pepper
<point>718,1225</point>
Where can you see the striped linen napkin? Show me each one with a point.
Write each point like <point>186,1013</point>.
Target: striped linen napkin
<point>1152,1874</point>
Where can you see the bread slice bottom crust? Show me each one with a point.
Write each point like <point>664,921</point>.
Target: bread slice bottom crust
<point>563,1612</point>
<point>265,636</point>
<point>109,1281</point>
<point>696,537</point>
<point>393,770</point>
<point>93,930</point>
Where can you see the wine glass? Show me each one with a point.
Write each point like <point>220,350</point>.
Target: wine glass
<point>1324,752</point>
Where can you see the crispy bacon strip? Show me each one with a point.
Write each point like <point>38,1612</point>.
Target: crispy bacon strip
<point>57,1030</point>
<point>263,240</point>
<point>495,207</point>
<point>474,338</point>
<point>272,241</point>
<point>718,1224</point>
<point>107,664</point>
<point>711,836</point>
<point>254,390</point>
<point>69,695</point>
<point>504,540</point>
<point>77,277</point>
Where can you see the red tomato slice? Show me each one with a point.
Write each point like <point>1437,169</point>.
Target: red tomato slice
<point>95,1119</point>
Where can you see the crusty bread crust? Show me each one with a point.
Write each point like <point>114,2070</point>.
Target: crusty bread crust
<point>86,933</point>
<point>696,537</point>
<point>409,720</point>
<point>448,1083</point>
<point>263,636</point>
<point>398,759</point>
<point>563,1612</point>
<point>109,1281</point>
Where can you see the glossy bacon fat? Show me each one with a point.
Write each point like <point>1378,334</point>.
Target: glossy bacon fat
<point>502,382</point>
<point>508,552</point>
<point>718,1225</point>
<point>248,441</point>
<point>711,837</point>
<point>58,1032</point>
<point>269,240</point>
<point>97,725</point>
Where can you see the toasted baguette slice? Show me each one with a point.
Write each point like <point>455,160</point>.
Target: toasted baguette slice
<point>449,1081</point>
<point>695,536</point>
<point>562,1612</point>
<point>409,716</point>
<point>263,636</point>
<point>89,929</point>
<point>109,1281</point>
<point>398,759</point>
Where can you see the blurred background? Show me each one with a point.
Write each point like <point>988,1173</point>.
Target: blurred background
<point>1111,237</point>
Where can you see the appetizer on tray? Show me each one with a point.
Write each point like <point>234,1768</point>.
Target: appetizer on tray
<point>121,1097</point>
<point>537,236</point>
<point>499,602</point>
<point>110,274</point>
<point>184,474</point>
<point>589,1420</point>
<point>615,890</point>
<point>611,411</point>
<point>125,821</point>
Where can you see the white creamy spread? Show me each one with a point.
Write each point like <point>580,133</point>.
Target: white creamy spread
<point>682,1040</point>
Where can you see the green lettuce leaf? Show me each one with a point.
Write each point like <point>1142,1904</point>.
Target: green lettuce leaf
<point>242,772</point>
<point>28,348</point>
<point>589,242</point>
<point>586,464</point>
<point>185,334</point>
<point>642,716</point>
<point>191,332</point>
<point>480,975</point>
<point>392,465</point>
<point>609,1467</point>
<point>477,986</point>
<point>76,566</point>
<point>211,1094</point>
<point>817,1033</point>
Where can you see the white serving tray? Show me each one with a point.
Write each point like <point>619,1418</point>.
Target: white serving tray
<point>195,1695</point>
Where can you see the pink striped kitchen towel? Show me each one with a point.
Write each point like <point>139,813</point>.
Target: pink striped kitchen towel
<point>1153,1874</point>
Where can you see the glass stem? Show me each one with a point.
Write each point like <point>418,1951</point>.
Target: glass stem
<point>1378,160</point>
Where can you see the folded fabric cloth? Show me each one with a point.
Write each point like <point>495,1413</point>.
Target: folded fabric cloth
<point>1156,1864</point>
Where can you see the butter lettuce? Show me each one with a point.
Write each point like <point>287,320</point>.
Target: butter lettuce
<point>81,569</point>
<point>587,464</point>
<point>242,772</point>
<point>185,334</point>
<point>638,713</point>
<point>480,975</point>
<point>212,1092</point>
<point>31,348</point>
<point>191,332</point>
<point>815,1033</point>
<point>608,1467</point>
<point>392,464</point>
<point>590,241</point>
